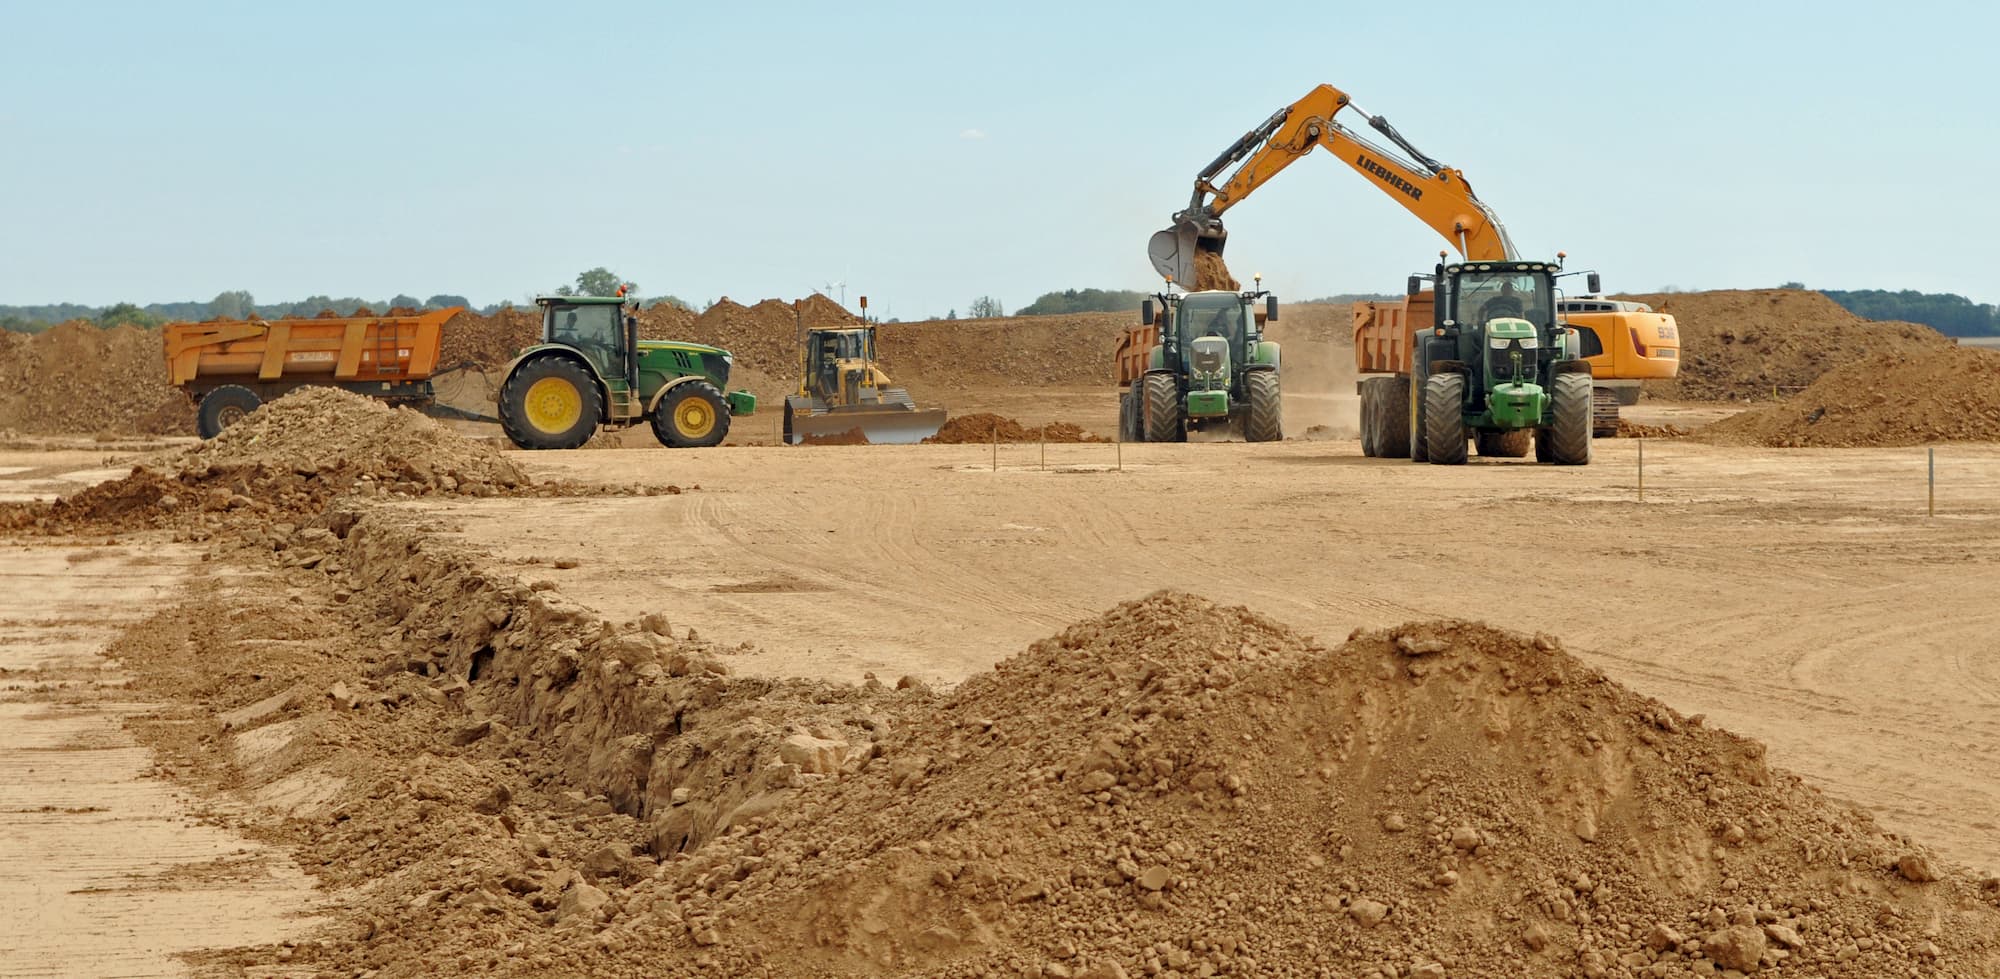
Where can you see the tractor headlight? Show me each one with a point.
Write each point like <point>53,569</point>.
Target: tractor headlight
<point>1527,343</point>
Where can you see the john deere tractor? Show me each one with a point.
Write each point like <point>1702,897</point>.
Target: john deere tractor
<point>591,369</point>
<point>1209,368</point>
<point>1497,368</point>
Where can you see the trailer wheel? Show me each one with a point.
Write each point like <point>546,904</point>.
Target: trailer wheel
<point>1392,441</point>
<point>550,403</point>
<point>692,416</point>
<point>223,407</point>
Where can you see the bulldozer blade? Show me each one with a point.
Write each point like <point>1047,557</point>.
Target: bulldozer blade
<point>880,426</point>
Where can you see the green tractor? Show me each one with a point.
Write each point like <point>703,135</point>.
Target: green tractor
<point>591,369</point>
<point>1208,368</point>
<point>1497,368</point>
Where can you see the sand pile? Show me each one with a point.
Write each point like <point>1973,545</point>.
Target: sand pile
<point>1942,394</point>
<point>288,461</point>
<point>1634,430</point>
<point>328,430</point>
<point>1741,344</point>
<point>1177,788</point>
<point>985,427</point>
<point>78,378</point>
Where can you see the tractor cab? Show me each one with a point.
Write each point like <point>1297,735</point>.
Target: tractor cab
<point>594,327</point>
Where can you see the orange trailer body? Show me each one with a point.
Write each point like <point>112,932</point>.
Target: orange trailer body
<point>393,350</point>
<point>1135,353</point>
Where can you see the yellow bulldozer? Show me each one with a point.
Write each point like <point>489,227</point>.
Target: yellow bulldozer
<point>843,394</point>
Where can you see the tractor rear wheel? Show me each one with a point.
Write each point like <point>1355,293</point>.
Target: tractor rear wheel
<point>1266,420</point>
<point>1569,433</point>
<point>223,407</point>
<point>1444,419</point>
<point>1162,409</point>
<point>691,416</point>
<point>1511,444</point>
<point>550,403</point>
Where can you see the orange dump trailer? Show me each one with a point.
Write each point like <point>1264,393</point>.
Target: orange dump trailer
<point>230,368</point>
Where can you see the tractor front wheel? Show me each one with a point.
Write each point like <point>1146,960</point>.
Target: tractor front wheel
<point>691,416</point>
<point>1163,409</point>
<point>1569,433</point>
<point>1444,419</point>
<point>223,407</point>
<point>1266,420</point>
<point>550,403</point>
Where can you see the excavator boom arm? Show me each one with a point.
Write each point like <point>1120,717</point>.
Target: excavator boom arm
<point>1438,195</point>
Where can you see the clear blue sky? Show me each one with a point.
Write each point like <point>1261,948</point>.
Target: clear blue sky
<point>928,153</point>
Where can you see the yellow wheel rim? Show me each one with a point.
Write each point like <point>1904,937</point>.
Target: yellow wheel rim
<point>553,405</point>
<point>694,417</point>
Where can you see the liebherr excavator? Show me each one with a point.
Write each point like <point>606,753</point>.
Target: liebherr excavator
<point>1624,343</point>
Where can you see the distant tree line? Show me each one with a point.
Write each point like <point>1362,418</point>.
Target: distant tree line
<point>1082,301</point>
<point>1946,312</point>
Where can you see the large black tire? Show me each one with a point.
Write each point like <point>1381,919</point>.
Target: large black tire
<point>1444,419</point>
<point>1371,422</point>
<point>1393,441</point>
<point>1416,416</point>
<point>547,424</point>
<point>1265,421</point>
<point>223,407</point>
<point>1135,395</point>
<point>1162,409</point>
<point>1603,413</point>
<point>1569,433</point>
<point>691,416</point>
<point>1504,445</point>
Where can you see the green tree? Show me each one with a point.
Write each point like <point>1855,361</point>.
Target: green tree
<point>234,304</point>
<point>1792,285</point>
<point>599,281</point>
<point>401,301</point>
<point>126,314</point>
<point>444,300</point>
<point>1082,301</point>
<point>985,308</point>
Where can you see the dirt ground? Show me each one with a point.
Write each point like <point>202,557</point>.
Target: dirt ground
<point>1748,578</point>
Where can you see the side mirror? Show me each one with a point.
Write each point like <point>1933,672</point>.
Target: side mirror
<point>1596,284</point>
<point>1270,309</point>
<point>1146,313</point>
<point>1414,286</point>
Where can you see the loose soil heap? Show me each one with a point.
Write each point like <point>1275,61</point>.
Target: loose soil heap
<point>1634,430</point>
<point>1946,394</point>
<point>1173,788</point>
<point>286,462</point>
<point>79,378</point>
<point>1183,789</point>
<point>983,428</point>
<point>1740,345</point>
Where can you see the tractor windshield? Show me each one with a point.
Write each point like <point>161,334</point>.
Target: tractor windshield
<point>1484,296</point>
<point>593,330</point>
<point>1218,314</point>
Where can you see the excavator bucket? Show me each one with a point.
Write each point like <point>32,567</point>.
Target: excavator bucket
<point>1173,249</point>
<point>807,419</point>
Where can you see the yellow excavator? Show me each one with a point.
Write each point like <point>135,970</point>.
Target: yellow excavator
<point>1624,343</point>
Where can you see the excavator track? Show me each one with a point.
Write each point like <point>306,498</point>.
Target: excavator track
<point>1603,413</point>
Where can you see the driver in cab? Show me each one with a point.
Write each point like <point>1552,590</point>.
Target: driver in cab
<point>1507,303</point>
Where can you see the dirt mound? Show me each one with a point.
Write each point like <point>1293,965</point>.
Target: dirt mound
<point>287,462</point>
<point>1946,394</point>
<point>984,427</point>
<point>1634,430</point>
<point>326,429</point>
<point>1179,788</point>
<point>1746,344</point>
<point>78,377</point>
